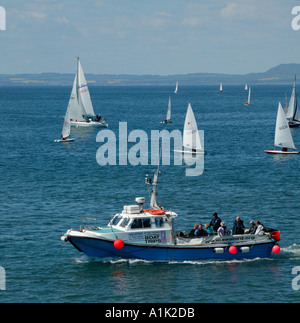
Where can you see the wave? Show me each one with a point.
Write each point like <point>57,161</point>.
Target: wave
<point>292,251</point>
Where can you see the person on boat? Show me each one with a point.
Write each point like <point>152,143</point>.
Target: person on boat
<point>63,138</point>
<point>215,222</point>
<point>200,232</point>
<point>208,229</point>
<point>252,228</point>
<point>223,231</point>
<point>238,226</point>
<point>284,149</point>
<point>192,232</point>
<point>260,229</point>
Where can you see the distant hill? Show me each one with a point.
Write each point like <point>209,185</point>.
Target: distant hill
<point>281,74</point>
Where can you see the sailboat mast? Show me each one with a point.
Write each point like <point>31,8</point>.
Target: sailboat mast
<point>296,103</point>
<point>77,85</point>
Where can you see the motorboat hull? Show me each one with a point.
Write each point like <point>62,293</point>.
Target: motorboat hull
<point>93,247</point>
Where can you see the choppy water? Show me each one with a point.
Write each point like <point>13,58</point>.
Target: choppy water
<point>46,188</point>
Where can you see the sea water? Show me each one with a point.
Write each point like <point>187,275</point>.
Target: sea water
<point>47,188</point>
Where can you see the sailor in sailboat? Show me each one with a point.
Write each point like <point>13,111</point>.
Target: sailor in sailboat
<point>81,108</point>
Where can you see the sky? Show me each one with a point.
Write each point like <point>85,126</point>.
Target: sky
<point>139,37</point>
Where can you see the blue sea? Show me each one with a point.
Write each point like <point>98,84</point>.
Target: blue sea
<point>47,188</point>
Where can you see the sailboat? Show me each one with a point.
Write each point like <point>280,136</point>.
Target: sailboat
<point>81,108</point>
<point>283,135</point>
<point>176,88</point>
<point>292,109</point>
<point>168,117</point>
<point>221,87</point>
<point>191,139</point>
<point>249,97</point>
<point>66,130</point>
<point>246,87</point>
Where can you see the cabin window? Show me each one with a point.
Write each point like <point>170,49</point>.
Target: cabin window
<point>124,223</point>
<point>137,224</point>
<point>159,222</point>
<point>115,220</point>
<point>141,223</point>
<point>146,223</point>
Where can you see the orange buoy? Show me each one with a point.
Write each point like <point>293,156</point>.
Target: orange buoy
<point>156,212</point>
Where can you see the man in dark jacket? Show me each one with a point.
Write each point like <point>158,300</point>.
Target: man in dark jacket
<point>253,228</point>
<point>215,223</point>
<point>238,226</point>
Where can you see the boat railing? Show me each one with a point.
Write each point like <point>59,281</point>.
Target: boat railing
<point>92,223</point>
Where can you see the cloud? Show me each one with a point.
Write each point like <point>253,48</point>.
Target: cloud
<point>230,11</point>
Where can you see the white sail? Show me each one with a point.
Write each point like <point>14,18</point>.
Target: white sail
<point>249,95</point>
<point>84,97</point>
<point>75,109</point>
<point>169,110</point>
<point>283,135</point>
<point>176,89</point>
<point>191,138</point>
<point>221,87</point>
<point>246,87</point>
<point>291,107</point>
<point>67,125</point>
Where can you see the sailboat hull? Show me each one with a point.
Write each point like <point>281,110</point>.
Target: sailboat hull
<point>166,122</point>
<point>279,152</point>
<point>190,152</point>
<point>294,124</point>
<point>66,140</point>
<point>89,124</point>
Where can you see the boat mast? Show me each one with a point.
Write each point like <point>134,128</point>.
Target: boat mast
<point>296,105</point>
<point>154,183</point>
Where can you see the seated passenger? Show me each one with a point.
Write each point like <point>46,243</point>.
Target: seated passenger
<point>252,229</point>
<point>260,229</point>
<point>200,232</point>
<point>208,229</point>
<point>223,231</point>
<point>192,233</point>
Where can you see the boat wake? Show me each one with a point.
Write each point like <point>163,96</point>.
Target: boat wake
<point>292,251</point>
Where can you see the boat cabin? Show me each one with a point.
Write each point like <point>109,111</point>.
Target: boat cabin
<point>147,226</point>
<point>133,218</point>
